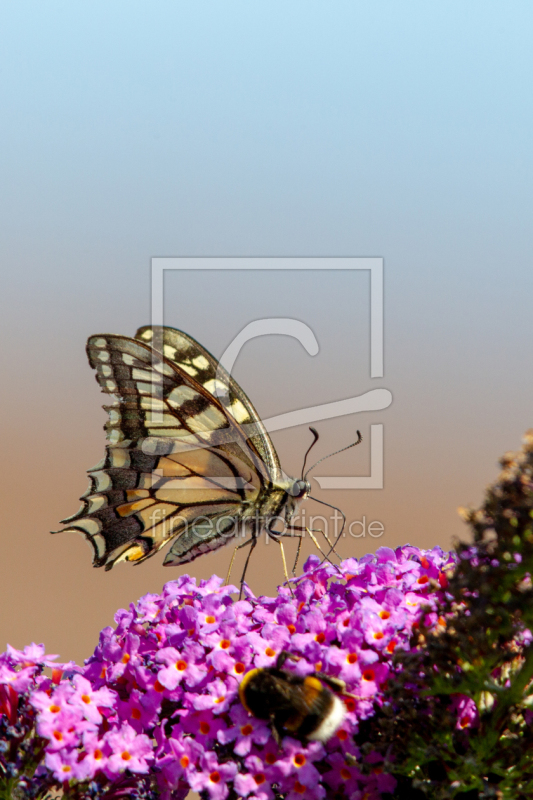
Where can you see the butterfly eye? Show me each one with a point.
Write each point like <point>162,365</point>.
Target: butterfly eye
<point>300,488</point>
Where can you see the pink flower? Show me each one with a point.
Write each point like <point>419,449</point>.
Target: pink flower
<point>63,729</point>
<point>95,758</point>
<point>204,726</point>
<point>180,760</point>
<point>255,781</point>
<point>343,775</point>
<point>344,663</point>
<point>213,777</point>
<point>49,705</point>
<point>372,676</point>
<point>20,680</point>
<point>300,791</point>
<point>129,750</point>
<point>267,645</point>
<point>466,711</point>
<point>32,655</point>
<point>187,665</point>
<point>65,766</point>
<point>139,710</point>
<point>218,698</point>
<point>88,699</point>
<point>247,731</point>
<point>296,760</point>
<point>124,654</point>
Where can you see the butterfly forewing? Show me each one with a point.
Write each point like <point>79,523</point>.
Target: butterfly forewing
<point>178,463</point>
<point>197,362</point>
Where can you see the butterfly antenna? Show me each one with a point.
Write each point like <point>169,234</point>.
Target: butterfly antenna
<point>332,547</point>
<point>353,444</point>
<point>315,440</point>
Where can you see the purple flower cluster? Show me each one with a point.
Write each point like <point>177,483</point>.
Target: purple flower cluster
<point>158,700</point>
<point>59,730</point>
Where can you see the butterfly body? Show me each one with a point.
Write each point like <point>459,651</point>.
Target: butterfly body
<point>188,457</point>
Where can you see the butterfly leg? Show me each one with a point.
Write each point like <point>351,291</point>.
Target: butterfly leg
<point>287,580</point>
<point>252,542</point>
<point>297,555</point>
<point>331,545</point>
<point>276,536</point>
<point>311,532</point>
<point>244,544</point>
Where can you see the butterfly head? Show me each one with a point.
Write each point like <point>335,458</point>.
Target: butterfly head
<point>299,489</point>
<point>296,491</point>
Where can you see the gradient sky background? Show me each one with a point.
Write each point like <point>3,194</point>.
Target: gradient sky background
<point>131,130</point>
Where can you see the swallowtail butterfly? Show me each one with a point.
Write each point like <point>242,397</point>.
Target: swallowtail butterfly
<point>188,458</point>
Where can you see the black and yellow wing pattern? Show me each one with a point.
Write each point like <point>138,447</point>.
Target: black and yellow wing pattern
<point>188,457</point>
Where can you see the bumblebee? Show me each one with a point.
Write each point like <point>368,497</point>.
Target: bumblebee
<point>306,708</point>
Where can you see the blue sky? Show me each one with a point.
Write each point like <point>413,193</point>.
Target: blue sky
<point>133,130</point>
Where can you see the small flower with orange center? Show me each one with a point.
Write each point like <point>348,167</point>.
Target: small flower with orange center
<point>344,662</point>
<point>204,726</point>
<point>267,647</point>
<point>218,697</point>
<point>129,750</point>
<point>90,700</point>
<point>95,758</point>
<point>245,731</point>
<point>342,777</point>
<point>213,776</point>
<point>377,631</point>
<point>50,703</point>
<point>64,766</point>
<point>61,728</point>
<point>184,755</point>
<point>466,711</point>
<point>297,763</point>
<point>372,676</point>
<point>187,665</point>
<point>413,601</point>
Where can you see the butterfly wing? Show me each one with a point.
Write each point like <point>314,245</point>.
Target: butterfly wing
<point>177,464</point>
<point>196,361</point>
